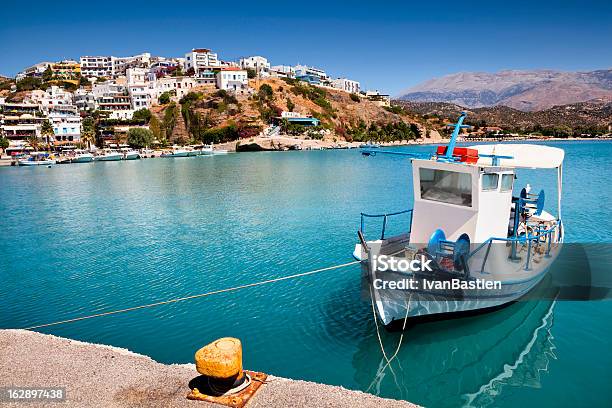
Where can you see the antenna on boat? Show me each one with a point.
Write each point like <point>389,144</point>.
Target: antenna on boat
<point>453,140</point>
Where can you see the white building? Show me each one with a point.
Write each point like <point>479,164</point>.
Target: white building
<point>304,70</point>
<point>54,96</point>
<point>84,100</point>
<point>66,124</point>
<point>378,98</point>
<point>200,59</point>
<point>113,99</point>
<point>257,63</point>
<point>233,79</point>
<point>282,71</point>
<point>96,66</point>
<point>347,85</point>
<point>176,86</point>
<point>138,87</point>
<point>111,66</point>
<point>20,121</point>
<point>35,71</point>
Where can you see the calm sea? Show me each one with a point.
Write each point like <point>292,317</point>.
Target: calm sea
<point>87,238</point>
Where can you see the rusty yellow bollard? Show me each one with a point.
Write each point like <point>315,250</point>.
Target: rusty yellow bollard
<point>221,359</point>
<point>223,380</point>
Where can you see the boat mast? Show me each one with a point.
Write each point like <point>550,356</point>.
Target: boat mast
<point>453,140</point>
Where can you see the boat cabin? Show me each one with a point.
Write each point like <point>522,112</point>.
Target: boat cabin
<point>460,199</point>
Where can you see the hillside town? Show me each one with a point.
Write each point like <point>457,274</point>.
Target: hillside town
<point>50,102</point>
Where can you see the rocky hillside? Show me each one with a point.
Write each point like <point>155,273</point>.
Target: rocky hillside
<point>216,116</point>
<point>522,90</point>
<point>593,117</point>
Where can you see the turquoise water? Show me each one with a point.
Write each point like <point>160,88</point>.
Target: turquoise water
<point>88,238</point>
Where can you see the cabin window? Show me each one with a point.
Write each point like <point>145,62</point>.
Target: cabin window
<point>449,187</point>
<point>507,181</point>
<point>490,181</point>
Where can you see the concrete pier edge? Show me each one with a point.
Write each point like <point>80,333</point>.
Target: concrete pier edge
<point>97,375</point>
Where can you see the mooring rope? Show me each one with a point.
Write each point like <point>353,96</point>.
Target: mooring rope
<point>201,295</point>
<point>380,342</point>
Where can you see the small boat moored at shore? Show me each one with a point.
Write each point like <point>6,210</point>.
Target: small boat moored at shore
<point>369,145</point>
<point>471,244</point>
<point>37,159</point>
<point>130,154</point>
<point>109,155</point>
<point>176,152</point>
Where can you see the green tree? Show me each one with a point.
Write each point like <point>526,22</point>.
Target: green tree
<point>355,98</point>
<point>164,98</point>
<point>290,105</point>
<point>266,92</point>
<point>47,74</point>
<point>142,114</point>
<point>83,81</point>
<point>155,127</point>
<point>29,84</point>
<point>170,115</point>
<point>88,135</point>
<point>4,143</point>
<point>251,73</point>
<point>47,131</point>
<point>139,137</point>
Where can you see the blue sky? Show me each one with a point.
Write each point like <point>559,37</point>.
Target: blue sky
<point>387,45</point>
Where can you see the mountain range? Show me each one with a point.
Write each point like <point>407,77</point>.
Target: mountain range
<point>519,89</point>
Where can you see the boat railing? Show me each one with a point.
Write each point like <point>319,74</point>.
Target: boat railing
<point>385,218</point>
<point>542,235</point>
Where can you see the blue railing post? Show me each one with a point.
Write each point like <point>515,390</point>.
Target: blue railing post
<point>528,250</point>
<point>549,244</point>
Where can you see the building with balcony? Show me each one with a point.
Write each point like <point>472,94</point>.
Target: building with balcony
<point>175,86</point>
<point>110,66</point>
<point>113,100</point>
<point>257,63</point>
<point>20,121</point>
<point>310,74</point>
<point>347,85</point>
<point>378,98</point>
<point>66,70</point>
<point>200,59</point>
<point>35,71</point>
<point>233,79</point>
<point>282,71</point>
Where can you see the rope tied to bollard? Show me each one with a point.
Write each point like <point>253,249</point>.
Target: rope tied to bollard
<point>197,296</point>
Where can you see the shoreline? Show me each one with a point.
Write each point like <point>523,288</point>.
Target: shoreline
<point>283,143</point>
<point>99,375</point>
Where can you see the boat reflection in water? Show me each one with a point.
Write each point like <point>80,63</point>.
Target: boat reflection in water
<point>471,361</point>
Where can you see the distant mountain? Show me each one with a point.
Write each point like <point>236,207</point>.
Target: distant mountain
<point>582,116</point>
<point>523,90</point>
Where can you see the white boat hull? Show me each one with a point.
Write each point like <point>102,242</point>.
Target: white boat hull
<point>82,159</point>
<point>393,305</point>
<point>132,156</point>
<point>109,158</point>
<point>36,162</point>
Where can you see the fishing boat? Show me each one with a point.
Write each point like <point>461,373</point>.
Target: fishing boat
<point>220,151</point>
<point>37,159</point>
<point>470,244</point>
<point>369,145</point>
<point>130,154</point>
<point>109,155</point>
